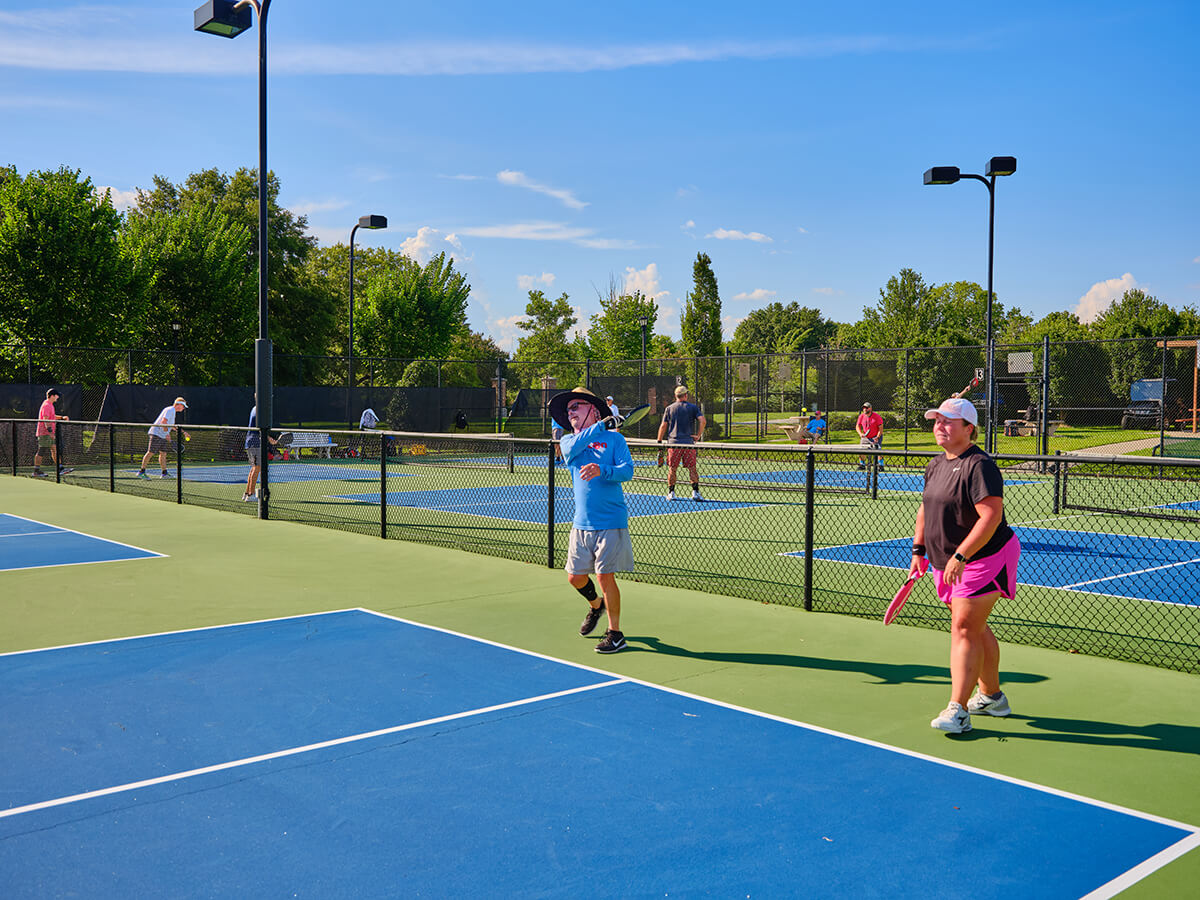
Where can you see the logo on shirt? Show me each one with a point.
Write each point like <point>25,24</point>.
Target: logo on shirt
<point>598,446</point>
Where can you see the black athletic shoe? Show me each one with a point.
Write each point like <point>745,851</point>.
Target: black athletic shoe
<point>611,642</point>
<point>592,617</point>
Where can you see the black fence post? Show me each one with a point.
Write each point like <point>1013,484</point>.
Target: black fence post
<point>383,444</point>
<point>178,465</point>
<point>810,493</point>
<point>14,447</point>
<point>57,455</point>
<point>1044,423</point>
<point>112,460</point>
<point>1060,481</point>
<point>550,507</point>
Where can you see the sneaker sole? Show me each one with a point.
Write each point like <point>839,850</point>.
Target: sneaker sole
<point>949,727</point>
<point>999,714</point>
<point>616,649</point>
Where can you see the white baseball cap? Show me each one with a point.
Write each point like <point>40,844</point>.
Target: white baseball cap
<point>609,397</point>
<point>955,408</point>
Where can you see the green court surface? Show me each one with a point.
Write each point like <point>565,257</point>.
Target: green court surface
<point>1117,732</point>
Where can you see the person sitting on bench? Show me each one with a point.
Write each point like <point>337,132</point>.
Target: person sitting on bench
<point>817,427</point>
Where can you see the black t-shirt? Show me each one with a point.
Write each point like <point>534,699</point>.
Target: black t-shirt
<point>952,488</point>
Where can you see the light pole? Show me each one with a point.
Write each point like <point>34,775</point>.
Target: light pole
<point>997,165</point>
<point>227,18</point>
<point>644,320</point>
<point>374,223</point>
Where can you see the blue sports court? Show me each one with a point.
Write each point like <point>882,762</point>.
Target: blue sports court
<point>279,471</point>
<point>1158,570</point>
<point>349,753</point>
<point>28,544</point>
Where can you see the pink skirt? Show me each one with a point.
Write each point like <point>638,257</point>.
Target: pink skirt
<point>987,575</point>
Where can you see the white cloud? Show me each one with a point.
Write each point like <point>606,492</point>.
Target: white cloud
<point>729,325</point>
<point>727,234</point>
<point>121,200</point>
<point>1101,295</point>
<point>828,291</point>
<point>520,179</point>
<point>505,332</point>
<point>644,280</point>
<point>530,231</point>
<point>802,229</point>
<point>686,191</point>
<point>463,177</point>
<point>527,282</point>
<point>755,295</point>
<point>424,244</point>
<point>688,225</point>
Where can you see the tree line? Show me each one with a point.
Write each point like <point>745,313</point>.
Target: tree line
<point>179,270</point>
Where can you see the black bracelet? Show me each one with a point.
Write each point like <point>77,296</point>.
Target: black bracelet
<point>918,549</point>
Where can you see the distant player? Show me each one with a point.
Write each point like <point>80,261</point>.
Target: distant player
<point>684,424</point>
<point>47,425</point>
<point>160,437</point>
<point>254,454</point>
<point>599,461</point>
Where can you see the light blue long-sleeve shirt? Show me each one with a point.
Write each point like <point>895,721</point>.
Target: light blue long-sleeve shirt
<point>599,503</point>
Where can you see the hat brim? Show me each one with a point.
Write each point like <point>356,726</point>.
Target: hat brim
<point>934,413</point>
<point>558,407</point>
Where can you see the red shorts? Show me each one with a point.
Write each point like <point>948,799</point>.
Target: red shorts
<point>681,456</point>
<point>988,575</point>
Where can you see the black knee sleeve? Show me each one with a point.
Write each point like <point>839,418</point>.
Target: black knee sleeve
<point>588,591</point>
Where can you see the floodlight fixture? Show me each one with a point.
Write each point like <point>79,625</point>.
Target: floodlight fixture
<point>942,175</point>
<point>224,18</point>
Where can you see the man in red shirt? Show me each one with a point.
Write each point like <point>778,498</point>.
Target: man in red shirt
<point>870,431</point>
<point>47,424</point>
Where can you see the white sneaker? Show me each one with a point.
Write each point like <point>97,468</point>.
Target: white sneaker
<point>953,720</point>
<point>696,496</point>
<point>992,706</point>
<point>671,495</point>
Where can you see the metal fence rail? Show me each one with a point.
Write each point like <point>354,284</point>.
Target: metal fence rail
<point>825,528</point>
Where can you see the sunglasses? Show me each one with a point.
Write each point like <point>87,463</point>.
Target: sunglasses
<point>577,405</point>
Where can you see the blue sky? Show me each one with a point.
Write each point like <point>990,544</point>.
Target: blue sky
<point>556,146</point>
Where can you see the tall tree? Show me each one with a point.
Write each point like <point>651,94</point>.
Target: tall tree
<point>1135,315</point>
<point>776,328</point>
<point>700,323</point>
<point>64,279</point>
<point>301,319</point>
<point>409,310</point>
<point>545,351</point>
<point>195,259</point>
<point>616,331</point>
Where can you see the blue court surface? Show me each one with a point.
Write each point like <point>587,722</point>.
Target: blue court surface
<point>1142,568</point>
<point>527,502</point>
<point>351,754</point>
<point>26,544</point>
<point>236,473</point>
<point>538,460</point>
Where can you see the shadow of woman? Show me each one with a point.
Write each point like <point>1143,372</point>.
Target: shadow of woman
<point>883,672</point>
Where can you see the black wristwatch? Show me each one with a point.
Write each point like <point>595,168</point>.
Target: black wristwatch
<point>959,556</point>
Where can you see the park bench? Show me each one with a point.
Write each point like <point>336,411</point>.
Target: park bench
<point>319,441</point>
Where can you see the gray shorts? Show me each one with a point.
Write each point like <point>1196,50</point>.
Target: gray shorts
<point>873,443</point>
<point>159,444</point>
<point>45,441</point>
<point>601,552</point>
<point>254,454</point>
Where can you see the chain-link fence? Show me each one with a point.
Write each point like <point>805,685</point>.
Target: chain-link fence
<point>1050,396</point>
<point>1111,546</point>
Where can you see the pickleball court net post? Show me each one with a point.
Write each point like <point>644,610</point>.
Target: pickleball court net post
<point>112,461</point>
<point>550,506</point>
<point>179,465</point>
<point>1059,478</point>
<point>57,461</point>
<point>13,423</point>
<point>810,493</point>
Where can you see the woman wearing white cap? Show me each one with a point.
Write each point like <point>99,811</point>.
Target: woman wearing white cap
<point>974,554</point>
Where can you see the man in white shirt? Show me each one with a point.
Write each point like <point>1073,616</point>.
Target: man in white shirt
<point>368,419</point>
<point>615,411</point>
<point>160,437</point>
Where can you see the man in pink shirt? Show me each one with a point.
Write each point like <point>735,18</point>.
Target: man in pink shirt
<point>47,424</point>
<point>870,431</point>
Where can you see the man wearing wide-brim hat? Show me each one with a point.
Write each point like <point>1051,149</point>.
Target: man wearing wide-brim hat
<point>599,460</point>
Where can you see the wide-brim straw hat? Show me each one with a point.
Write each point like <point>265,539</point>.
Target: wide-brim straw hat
<point>558,406</point>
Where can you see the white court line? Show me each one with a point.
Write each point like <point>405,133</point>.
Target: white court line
<point>29,533</point>
<point>85,534</point>
<point>293,751</point>
<point>1117,577</point>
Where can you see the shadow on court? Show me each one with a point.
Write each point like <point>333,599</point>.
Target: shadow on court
<point>885,673</point>
<point>1160,736</point>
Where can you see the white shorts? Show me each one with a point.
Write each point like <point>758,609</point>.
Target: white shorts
<point>601,552</point>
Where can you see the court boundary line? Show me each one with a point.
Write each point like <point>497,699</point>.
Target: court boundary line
<point>1169,854</point>
<point>154,554</point>
<point>294,751</point>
